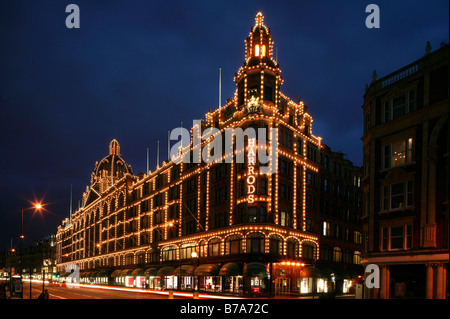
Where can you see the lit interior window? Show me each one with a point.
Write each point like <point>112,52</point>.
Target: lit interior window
<point>257,50</point>
<point>263,51</point>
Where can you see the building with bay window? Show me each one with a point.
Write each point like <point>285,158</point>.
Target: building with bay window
<point>405,183</point>
<point>220,226</point>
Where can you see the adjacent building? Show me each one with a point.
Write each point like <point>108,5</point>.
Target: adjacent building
<point>405,180</point>
<point>223,226</point>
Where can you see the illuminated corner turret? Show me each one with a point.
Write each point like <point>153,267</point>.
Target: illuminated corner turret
<point>260,75</point>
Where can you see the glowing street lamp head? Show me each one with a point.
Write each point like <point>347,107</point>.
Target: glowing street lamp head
<point>38,206</point>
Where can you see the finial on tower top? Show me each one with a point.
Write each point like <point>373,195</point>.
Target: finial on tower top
<point>259,19</point>
<point>114,147</point>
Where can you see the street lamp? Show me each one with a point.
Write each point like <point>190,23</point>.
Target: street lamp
<point>193,255</point>
<point>37,206</point>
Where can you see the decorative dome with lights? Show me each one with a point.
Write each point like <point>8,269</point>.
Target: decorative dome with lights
<point>110,169</point>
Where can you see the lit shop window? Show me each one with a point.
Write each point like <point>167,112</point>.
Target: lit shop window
<point>398,195</point>
<point>322,285</point>
<point>396,238</point>
<point>399,153</point>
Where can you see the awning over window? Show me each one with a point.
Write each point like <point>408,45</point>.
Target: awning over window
<point>341,274</point>
<point>231,269</point>
<point>126,272</point>
<point>185,270</point>
<point>166,271</point>
<point>255,269</point>
<point>207,270</point>
<point>103,273</point>
<point>151,272</point>
<point>354,273</point>
<point>327,272</point>
<point>116,273</point>
<point>311,272</point>
<point>138,272</point>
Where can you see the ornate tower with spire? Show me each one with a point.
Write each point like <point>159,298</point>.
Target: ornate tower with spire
<point>259,78</point>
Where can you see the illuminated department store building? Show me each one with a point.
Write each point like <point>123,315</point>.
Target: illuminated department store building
<point>199,226</point>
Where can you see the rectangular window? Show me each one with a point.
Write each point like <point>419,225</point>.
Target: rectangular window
<point>398,195</point>
<point>326,228</point>
<point>387,111</point>
<point>309,201</point>
<point>283,191</point>
<point>398,153</point>
<point>300,147</point>
<point>263,189</point>
<point>285,219</point>
<point>398,107</point>
<point>396,237</point>
<point>411,102</point>
<point>252,214</point>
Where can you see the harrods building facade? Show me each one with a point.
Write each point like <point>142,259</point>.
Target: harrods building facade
<point>200,226</point>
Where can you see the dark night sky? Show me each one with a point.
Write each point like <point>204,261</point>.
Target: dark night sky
<point>136,69</point>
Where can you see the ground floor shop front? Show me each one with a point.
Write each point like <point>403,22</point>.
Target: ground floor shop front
<point>233,278</point>
<point>413,276</point>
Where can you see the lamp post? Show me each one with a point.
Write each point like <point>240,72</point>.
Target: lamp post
<point>37,206</point>
<point>193,255</point>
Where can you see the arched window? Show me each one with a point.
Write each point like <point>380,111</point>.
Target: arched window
<point>325,253</point>
<point>255,243</point>
<point>129,259</point>
<point>292,248</point>
<point>357,257</point>
<point>202,249</point>
<point>348,257</point>
<point>140,258</point>
<point>153,256</point>
<point>214,247</point>
<point>169,253</point>
<point>233,244</point>
<point>337,255</point>
<point>263,51</point>
<point>308,250</point>
<point>186,250</point>
<point>276,245</point>
<point>257,50</point>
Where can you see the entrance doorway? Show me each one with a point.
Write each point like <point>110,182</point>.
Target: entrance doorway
<point>282,286</point>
